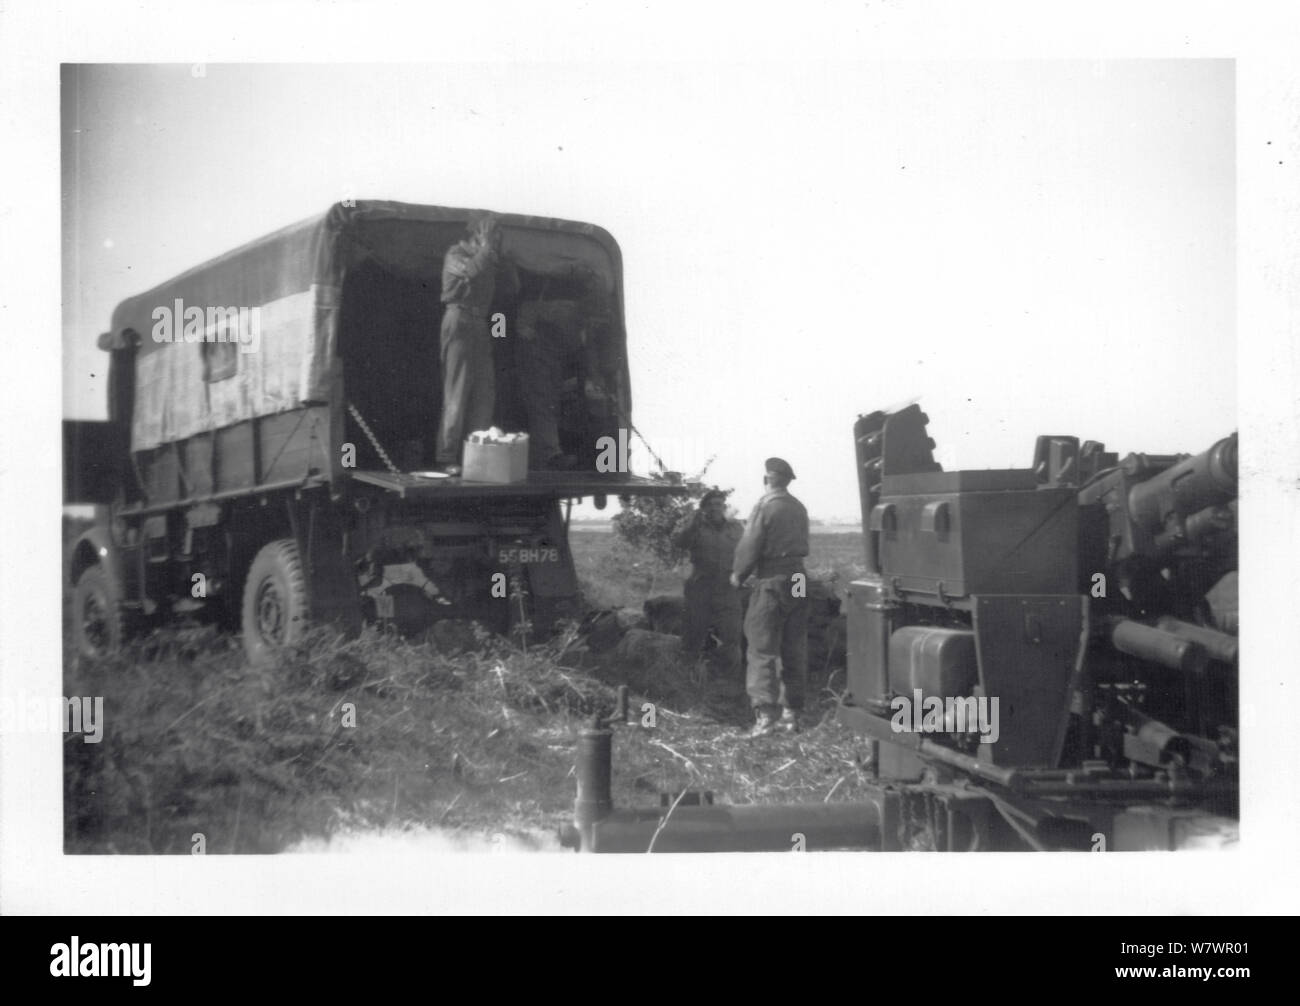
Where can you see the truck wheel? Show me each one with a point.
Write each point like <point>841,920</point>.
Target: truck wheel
<point>275,609</point>
<point>97,623</point>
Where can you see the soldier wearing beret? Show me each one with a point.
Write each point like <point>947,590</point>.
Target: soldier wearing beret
<point>711,539</point>
<point>776,626</point>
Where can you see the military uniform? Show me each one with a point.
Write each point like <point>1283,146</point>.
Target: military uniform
<point>711,601</point>
<point>776,625</point>
<point>550,335</point>
<point>469,281</point>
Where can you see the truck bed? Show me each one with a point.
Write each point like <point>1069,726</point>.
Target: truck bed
<point>556,485</point>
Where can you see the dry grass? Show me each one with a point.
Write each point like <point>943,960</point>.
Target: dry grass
<point>699,741</point>
<point>198,742</point>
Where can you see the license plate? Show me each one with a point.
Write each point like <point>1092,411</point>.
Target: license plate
<point>528,555</point>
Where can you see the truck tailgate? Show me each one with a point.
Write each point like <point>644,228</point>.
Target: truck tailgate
<point>556,485</point>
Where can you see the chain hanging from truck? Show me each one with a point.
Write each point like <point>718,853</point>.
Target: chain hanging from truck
<point>355,413</point>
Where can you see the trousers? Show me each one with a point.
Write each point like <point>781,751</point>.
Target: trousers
<point>776,632</point>
<point>541,385</point>
<point>716,606</point>
<point>468,381</point>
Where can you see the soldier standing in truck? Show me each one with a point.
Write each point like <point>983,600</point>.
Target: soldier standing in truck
<point>559,352</point>
<point>471,272</point>
<point>548,331</point>
<point>776,625</point>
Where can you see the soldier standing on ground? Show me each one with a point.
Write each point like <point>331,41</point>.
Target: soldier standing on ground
<point>776,626</point>
<point>711,603</point>
<point>469,281</point>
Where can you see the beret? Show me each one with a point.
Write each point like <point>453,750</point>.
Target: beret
<point>780,467</point>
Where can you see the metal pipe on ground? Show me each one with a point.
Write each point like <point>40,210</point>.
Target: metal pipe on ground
<point>689,827</point>
<point>813,827</point>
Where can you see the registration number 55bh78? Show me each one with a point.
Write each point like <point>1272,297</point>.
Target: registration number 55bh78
<point>524,555</point>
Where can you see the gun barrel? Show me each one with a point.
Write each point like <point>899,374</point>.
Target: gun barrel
<point>1205,480</point>
<point>1161,646</point>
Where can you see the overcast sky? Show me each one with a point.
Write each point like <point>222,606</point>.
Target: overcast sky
<point>1027,247</point>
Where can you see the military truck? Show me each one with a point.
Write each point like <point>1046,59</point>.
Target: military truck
<point>272,417</point>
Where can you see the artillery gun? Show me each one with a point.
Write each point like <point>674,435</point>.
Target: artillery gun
<point>1040,658</point>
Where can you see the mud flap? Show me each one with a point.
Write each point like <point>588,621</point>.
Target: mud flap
<point>332,587</point>
<point>554,586</point>
<point>554,579</point>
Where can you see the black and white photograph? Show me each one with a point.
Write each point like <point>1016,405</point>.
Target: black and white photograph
<point>811,447</point>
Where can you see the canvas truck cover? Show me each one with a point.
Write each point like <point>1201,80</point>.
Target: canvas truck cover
<point>285,355</point>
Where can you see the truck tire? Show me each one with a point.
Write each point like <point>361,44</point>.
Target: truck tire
<point>276,606</point>
<point>97,623</point>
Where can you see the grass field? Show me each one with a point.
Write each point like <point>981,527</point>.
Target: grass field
<point>382,735</point>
